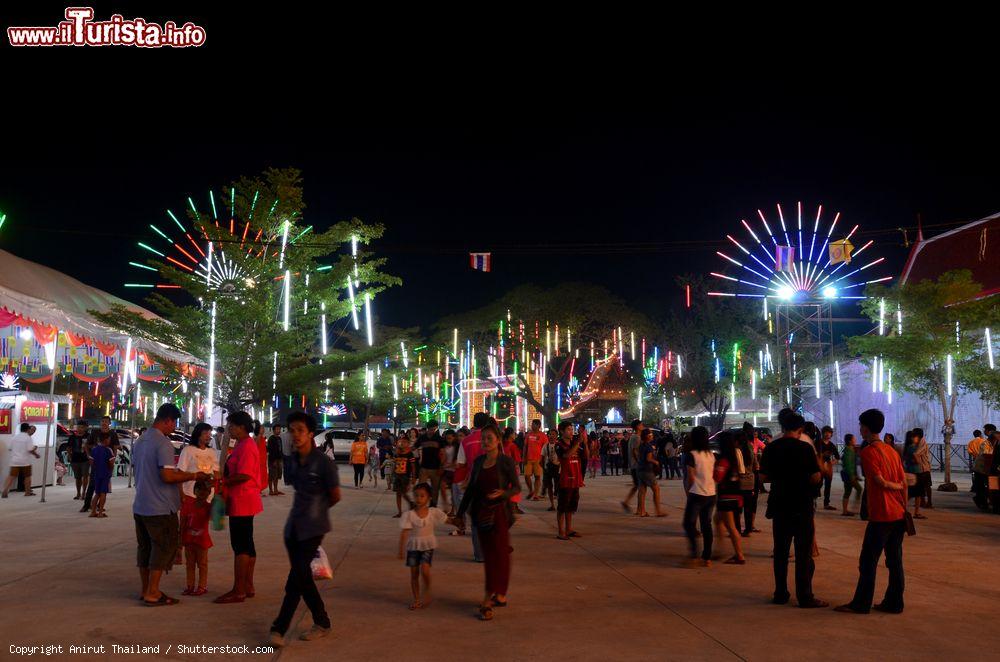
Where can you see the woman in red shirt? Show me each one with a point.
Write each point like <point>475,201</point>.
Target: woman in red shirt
<point>242,491</point>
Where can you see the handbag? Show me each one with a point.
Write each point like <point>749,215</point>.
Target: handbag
<point>911,529</point>
<point>747,482</point>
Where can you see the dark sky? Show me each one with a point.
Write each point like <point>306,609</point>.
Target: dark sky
<point>523,142</point>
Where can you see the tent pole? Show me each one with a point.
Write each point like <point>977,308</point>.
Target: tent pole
<point>132,443</point>
<point>51,434</point>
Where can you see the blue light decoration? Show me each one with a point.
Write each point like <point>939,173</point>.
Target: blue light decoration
<point>812,272</point>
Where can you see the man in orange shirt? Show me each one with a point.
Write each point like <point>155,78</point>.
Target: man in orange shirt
<point>533,442</point>
<point>886,520</point>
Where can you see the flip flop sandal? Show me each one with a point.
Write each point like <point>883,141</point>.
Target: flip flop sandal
<point>486,613</point>
<point>574,534</point>
<point>735,561</point>
<point>415,606</point>
<point>497,603</point>
<point>187,591</point>
<point>201,590</point>
<point>164,601</point>
<point>562,537</point>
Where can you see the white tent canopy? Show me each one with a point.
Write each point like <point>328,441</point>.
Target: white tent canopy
<point>52,298</point>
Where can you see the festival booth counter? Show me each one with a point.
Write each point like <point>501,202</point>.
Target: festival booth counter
<point>46,330</point>
<point>18,407</point>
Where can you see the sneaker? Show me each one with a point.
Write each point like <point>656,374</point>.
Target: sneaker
<point>277,639</point>
<point>315,632</point>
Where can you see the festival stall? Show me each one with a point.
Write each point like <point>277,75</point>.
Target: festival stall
<point>46,329</point>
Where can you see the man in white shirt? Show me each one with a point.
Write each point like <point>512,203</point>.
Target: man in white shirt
<point>21,451</point>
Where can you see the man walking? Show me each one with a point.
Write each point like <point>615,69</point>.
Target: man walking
<point>317,489</point>
<point>157,502</point>
<point>886,520</point>
<point>22,449</point>
<point>829,456</point>
<point>793,471</point>
<point>429,446</point>
<point>631,462</point>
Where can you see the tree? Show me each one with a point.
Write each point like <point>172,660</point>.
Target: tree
<point>568,315</point>
<point>939,353</point>
<point>710,338</point>
<point>271,281</point>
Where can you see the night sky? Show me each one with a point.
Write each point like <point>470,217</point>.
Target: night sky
<point>466,141</point>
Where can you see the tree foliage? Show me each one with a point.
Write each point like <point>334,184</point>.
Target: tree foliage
<point>248,292</point>
<point>713,329</point>
<point>940,318</point>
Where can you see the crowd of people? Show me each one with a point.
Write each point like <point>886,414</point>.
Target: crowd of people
<point>470,480</point>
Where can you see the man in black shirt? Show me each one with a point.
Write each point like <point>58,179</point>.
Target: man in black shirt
<point>790,465</point>
<point>275,461</point>
<point>317,489</point>
<point>429,447</point>
<point>78,459</point>
<point>829,455</point>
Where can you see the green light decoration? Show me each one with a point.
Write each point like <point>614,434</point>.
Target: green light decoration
<point>308,229</point>
<point>143,266</point>
<point>232,201</point>
<point>273,207</point>
<point>253,205</point>
<point>160,232</point>
<point>150,249</point>
<point>193,208</point>
<point>325,267</point>
<point>3,217</point>
<point>211,196</point>
<point>146,285</point>
<point>176,221</point>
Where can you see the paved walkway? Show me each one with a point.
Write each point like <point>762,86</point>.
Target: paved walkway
<point>617,592</point>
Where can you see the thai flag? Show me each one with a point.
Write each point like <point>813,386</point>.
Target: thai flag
<point>784,256</point>
<point>479,261</point>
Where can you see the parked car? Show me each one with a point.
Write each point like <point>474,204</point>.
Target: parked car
<point>179,439</point>
<point>340,439</point>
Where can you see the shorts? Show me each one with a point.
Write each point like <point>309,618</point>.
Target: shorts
<point>102,485</point>
<point>241,535</point>
<point>157,537</point>
<point>21,471</point>
<point>275,468</point>
<point>645,478</point>
<point>850,483</point>
<point>416,558</point>
<point>401,483</point>
<point>533,468</point>
<point>80,469</point>
<point>569,499</point>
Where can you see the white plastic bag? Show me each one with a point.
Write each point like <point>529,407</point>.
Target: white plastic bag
<point>321,566</point>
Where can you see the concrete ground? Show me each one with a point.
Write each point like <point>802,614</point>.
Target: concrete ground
<point>617,592</point>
